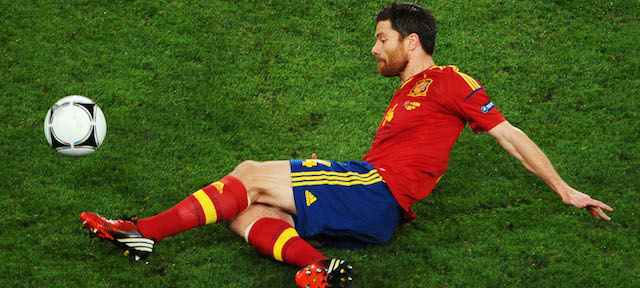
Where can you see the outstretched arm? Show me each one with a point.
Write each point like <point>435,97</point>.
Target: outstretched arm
<point>518,144</point>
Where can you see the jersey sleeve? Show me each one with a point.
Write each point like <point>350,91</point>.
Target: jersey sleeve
<point>469,100</point>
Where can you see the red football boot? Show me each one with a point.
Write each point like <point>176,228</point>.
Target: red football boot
<point>324,273</point>
<point>123,233</point>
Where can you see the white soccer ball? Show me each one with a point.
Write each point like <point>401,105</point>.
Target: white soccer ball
<point>75,126</point>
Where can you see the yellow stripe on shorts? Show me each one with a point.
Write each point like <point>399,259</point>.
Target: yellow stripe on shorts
<point>334,178</point>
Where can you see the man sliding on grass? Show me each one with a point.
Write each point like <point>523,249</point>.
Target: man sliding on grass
<point>276,205</point>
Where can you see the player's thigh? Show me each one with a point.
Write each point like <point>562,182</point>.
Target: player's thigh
<point>268,183</point>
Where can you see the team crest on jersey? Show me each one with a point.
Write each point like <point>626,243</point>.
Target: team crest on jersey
<point>486,107</point>
<point>421,88</point>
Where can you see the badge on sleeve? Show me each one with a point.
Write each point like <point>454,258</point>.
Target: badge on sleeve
<point>486,107</point>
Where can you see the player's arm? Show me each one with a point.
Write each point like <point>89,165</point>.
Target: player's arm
<point>518,144</point>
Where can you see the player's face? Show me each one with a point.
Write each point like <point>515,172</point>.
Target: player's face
<point>389,50</point>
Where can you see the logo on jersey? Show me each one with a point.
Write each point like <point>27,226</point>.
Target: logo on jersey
<point>486,107</point>
<point>310,197</point>
<point>421,88</point>
<point>389,116</point>
<point>408,105</point>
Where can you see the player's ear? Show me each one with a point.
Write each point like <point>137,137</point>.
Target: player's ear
<point>412,41</point>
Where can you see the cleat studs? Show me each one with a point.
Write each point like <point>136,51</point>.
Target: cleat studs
<point>307,286</point>
<point>319,270</point>
<point>349,278</point>
<point>84,222</point>
<point>95,230</point>
<point>349,267</point>
<point>126,252</point>
<point>308,272</point>
<point>137,258</point>
<point>342,271</point>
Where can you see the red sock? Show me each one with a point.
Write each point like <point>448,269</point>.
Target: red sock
<point>276,238</point>
<point>214,203</point>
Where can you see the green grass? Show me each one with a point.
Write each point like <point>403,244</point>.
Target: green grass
<point>192,88</point>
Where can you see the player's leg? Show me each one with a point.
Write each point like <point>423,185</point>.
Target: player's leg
<point>258,182</point>
<point>270,231</point>
<point>250,182</point>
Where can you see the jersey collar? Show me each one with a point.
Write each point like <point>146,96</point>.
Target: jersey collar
<point>424,73</point>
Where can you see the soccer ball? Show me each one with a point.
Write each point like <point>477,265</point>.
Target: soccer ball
<point>75,126</point>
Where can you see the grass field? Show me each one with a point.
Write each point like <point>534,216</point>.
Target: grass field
<point>192,88</point>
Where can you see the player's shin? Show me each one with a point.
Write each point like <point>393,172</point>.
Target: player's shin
<point>212,204</point>
<point>279,240</point>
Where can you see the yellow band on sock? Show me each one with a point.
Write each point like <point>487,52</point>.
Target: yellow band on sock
<point>282,239</point>
<point>207,206</point>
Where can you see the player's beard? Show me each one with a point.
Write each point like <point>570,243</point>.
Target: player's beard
<point>395,65</point>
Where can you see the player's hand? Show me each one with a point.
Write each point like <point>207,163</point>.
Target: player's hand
<point>582,200</point>
<point>314,156</point>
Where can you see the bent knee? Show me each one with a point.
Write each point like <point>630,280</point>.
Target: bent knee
<point>245,168</point>
<point>246,172</point>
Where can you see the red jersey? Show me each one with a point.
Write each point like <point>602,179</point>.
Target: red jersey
<point>425,117</point>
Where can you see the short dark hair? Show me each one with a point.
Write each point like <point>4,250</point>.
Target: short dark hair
<point>407,18</point>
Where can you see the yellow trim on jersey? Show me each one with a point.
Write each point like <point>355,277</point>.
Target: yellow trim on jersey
<point>443,67</point>
<point>282,239</point>
<point>472,82</point>
<point>405,82</point>
<point>207,206</point>
<point>424,75</point>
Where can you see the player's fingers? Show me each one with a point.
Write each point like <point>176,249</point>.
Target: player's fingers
<point>593,213</point>
<point>601,214</point>
<point>600,204</point>
<point>314,156</point>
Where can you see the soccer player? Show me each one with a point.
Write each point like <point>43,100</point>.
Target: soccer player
<point>276,205</point>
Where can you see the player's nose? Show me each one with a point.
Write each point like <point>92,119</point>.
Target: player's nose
<point>375,51</point>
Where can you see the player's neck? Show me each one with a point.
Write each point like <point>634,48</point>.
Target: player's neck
<point>416,66</point>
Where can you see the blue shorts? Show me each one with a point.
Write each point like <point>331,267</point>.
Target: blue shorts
<point>344,201</point>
